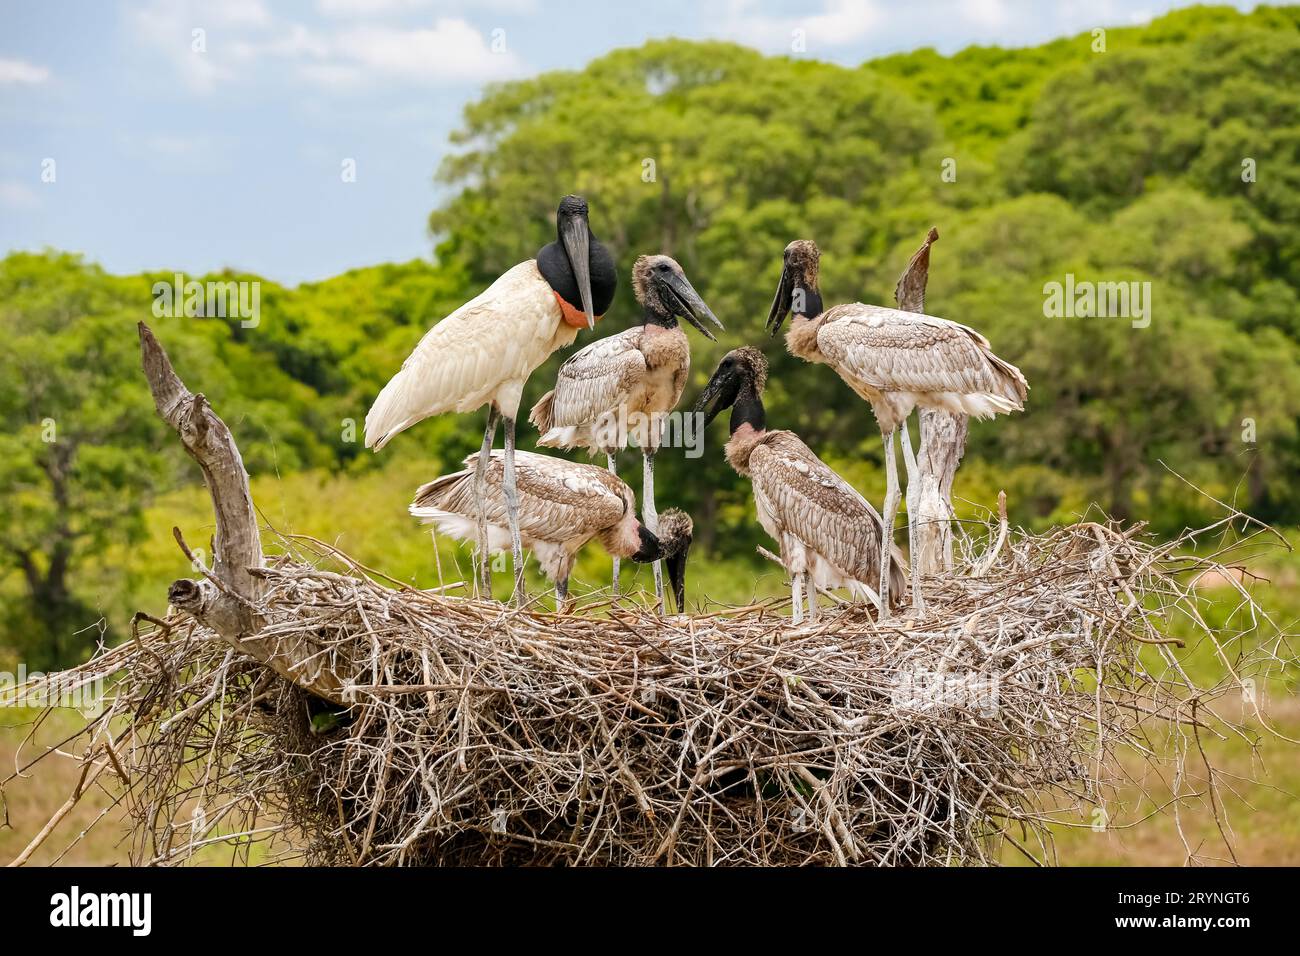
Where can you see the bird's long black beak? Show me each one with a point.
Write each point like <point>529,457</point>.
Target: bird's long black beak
<point>672,550</point>
<point>720,393</point>
<point>575,233</point>
<point>690,306</point>
<point>782,303</point>
<point>650,549</point>
<point>676,567</point>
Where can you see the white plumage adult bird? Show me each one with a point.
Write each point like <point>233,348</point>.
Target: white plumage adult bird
<point>830,536</point>
<point>622,386</point>
<point>896,361</point>
<point>562,506</point>
<point>483,353</point>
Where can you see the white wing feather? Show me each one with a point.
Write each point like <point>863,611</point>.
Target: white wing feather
<point>483,351</point>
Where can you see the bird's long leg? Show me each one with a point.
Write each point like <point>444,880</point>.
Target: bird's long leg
<point>796,597</point>
<point>812,599</point>
<point>512,510</point>
<point>887,515</point>
<point>484,580</point>
<point>913,495</point>
<point>611,459</point>
<point>650,517</point>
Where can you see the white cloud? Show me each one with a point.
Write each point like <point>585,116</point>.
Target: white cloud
<point>379,8</point>
<point>17,195</point>
<point>237,13</point>
<point>452,50</point>
<point>367,8</point>
<point>242,37</point>
<point>1072,14</point>
<point>838,22</point>
<point>20,71</point>
<point>296,41</point>
<point>168,26</point>
<point>986,13</point>
<point>169,29</point>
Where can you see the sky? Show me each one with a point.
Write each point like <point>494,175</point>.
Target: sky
<point>299,139</point>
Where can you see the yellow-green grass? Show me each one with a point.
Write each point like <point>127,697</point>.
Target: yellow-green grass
<point>365,516</point>
<point>94,831</point>
<point>1260,809</point>
<point>32,799</point>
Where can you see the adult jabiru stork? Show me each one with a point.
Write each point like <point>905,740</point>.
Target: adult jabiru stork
<point>562,506</point>
<point>622,386</point>
<point>830,536</point>
<point>483,353</point>
<point>896,361</point>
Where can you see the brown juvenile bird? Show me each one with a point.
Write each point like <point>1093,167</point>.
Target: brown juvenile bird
<point>896,361</point>
<point>622,386</point>
<point>830,536</point>
<point>562,506</point>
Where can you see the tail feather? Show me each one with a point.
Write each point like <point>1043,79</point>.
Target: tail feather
<point>381,422</point>
<point>982,404</point>
<point>1015,388</point>
<point>434,494</point>
<point>566,437</point>
<point>543,413</point>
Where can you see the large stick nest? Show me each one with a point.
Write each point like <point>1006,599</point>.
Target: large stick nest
<point>478,734</point>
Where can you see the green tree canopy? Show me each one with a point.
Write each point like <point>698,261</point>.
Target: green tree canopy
<point>1171,159</point>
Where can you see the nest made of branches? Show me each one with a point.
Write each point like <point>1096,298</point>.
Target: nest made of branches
<point>479,734</point>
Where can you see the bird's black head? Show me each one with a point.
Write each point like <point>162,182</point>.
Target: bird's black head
<point>738,380</point>
<point>671,545</point>
<point>663,289</point>
<point>676,531</point>
<point>572,205</point>
<point>577,265</point>
<point>798,290</point>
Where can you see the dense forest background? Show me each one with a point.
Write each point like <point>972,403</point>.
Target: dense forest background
<point>1171,157</point>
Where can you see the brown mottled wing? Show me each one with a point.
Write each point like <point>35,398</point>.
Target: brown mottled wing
<point>896,351</point>
<point>817,506</point>
<point>597,379</point>
<point>558,500</point>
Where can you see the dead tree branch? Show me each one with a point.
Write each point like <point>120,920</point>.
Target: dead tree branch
<point>226,598</point>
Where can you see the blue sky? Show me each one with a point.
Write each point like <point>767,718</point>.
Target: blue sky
<point>170,157</point>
